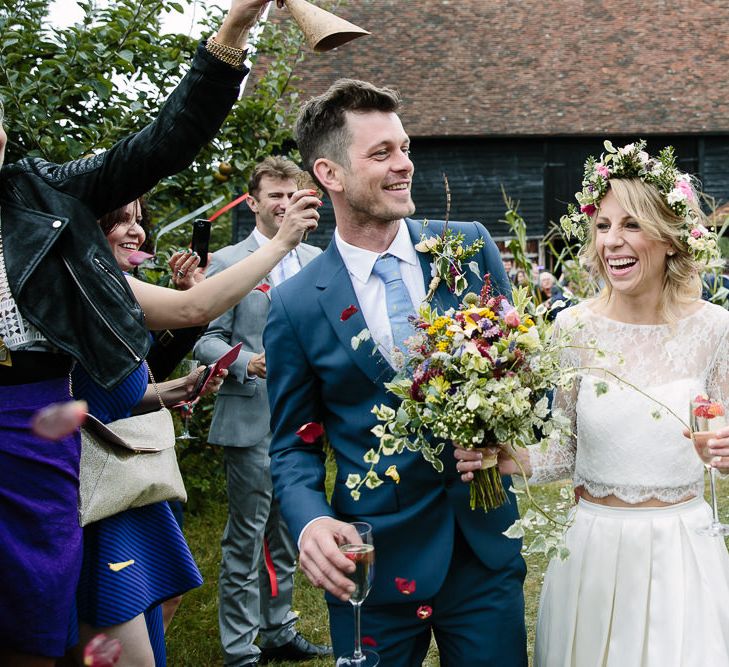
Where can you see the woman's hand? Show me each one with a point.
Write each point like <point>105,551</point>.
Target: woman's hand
<point>212,387</point>
<point>471,460</point>
<point>186,269</point>
<point>718,448</point>
<point>301,217</point>
<point>245,13</point>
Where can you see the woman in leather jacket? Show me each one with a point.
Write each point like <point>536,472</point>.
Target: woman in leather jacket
<point>63,300</point>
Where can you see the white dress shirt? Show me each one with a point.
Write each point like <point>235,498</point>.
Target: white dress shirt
<point>369,288</point>
<point>287,267</point>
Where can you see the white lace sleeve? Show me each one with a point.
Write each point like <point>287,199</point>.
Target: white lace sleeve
<point>557,461</point>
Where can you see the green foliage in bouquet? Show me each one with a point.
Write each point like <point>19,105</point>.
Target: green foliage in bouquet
<point>449,253</point>
<point>473,376</point>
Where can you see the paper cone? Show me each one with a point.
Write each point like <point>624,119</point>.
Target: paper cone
<point>323,31</point>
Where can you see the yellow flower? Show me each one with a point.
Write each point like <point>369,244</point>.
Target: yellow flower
<point>440,384</point>
<point>440,323</point>
<point>450,333</point>
<point>471,324</point>
<point>522,328</point>
<point>442,346</point>
<point>393,474</point>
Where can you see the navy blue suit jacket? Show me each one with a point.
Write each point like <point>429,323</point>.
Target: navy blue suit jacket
<point>314,375</point>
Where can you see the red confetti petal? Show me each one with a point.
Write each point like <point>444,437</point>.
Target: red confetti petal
<point>348,312</point>
<point>368,641</point>
<point>310,432</point>
<point>404,586</point>
<point>424,611</point>
<point>263,287</point>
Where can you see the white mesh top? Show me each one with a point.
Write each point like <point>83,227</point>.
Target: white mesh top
<point>619,444</point>
<point>15,331</point>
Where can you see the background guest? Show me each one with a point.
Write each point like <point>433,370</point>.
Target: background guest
<point>255,593</point>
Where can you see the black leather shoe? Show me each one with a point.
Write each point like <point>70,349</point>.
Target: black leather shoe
<point>297,649</point>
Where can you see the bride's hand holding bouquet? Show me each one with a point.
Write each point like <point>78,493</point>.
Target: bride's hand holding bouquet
<point>510,461</point>
<point>477,374</point>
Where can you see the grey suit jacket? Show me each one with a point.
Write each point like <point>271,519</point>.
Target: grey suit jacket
<point>241,415</point>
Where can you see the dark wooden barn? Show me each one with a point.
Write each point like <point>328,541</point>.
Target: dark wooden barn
<point>514,95</point>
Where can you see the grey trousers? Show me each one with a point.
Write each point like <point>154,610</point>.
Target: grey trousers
<point>246,607</point>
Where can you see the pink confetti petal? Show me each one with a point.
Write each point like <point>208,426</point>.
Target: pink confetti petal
<point>139,256</point>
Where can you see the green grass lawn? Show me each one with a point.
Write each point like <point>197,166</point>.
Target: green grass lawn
<point>193,637</point>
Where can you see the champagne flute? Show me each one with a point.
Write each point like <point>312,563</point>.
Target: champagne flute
<point>187,366</point>
<point>363,556</point>
<point>705,417</point>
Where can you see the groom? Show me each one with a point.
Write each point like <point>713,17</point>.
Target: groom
<point>440,567</point>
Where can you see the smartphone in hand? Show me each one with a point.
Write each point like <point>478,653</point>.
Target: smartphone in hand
<point>221,364</point>
<point>201,239</point>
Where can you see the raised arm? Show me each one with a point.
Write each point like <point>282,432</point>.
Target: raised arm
<point>187,121</point>
<point>170,309</point>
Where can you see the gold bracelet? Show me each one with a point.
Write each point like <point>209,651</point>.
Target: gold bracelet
<point>230,55</point>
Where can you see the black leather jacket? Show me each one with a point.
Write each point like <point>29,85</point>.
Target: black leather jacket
<point>59,264</point>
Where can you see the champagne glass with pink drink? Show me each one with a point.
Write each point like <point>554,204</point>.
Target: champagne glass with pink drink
<point>363,555</point>
<point>707,416</point>
<point>187,366</point>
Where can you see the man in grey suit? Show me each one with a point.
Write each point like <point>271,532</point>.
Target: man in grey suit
<point>259,556</point>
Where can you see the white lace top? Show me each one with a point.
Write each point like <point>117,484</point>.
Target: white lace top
<point>618,446</point>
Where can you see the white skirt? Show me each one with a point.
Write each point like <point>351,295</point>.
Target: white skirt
<point>640,589</point>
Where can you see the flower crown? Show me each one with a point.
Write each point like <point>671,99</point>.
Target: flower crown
<point>632,161</point>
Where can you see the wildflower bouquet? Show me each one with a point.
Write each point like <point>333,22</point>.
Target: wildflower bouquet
<point>473,376</point>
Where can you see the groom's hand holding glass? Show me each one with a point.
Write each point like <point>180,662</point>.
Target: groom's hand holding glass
<point>322,561</point>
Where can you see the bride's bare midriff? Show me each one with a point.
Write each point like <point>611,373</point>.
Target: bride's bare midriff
<point>613,501</point>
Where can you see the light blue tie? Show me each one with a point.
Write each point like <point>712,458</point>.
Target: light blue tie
<point>399,305</point>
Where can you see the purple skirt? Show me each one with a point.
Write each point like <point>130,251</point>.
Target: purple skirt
<point>40,538</point>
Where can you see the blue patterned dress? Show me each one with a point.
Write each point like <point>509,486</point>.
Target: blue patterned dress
<point>162,567</point>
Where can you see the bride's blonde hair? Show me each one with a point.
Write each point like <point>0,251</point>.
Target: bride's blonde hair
<point>643,201</point>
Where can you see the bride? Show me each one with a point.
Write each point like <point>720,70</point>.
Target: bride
<point>640,586</point>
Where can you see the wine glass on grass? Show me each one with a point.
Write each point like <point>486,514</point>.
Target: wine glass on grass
<point>187,366</point>
<point>363,556</point>
<point>705,417</point>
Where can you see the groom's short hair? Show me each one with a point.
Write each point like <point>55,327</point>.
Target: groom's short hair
<point>321,126</point>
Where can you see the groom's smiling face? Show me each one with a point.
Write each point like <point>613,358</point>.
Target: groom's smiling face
<point>376,183</point>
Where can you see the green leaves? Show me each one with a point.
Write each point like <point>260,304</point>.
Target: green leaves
<point>601,388</point>
<point>77,90</point>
